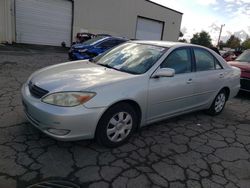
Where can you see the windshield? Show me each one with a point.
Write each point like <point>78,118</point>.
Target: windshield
<point>244,57</point>
<point>132,58</point>
<point>93,40</point>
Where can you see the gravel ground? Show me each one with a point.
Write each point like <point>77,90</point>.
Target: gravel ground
<point>194,150</point>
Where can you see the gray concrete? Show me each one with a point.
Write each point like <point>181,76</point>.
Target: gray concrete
<point>193,150</point>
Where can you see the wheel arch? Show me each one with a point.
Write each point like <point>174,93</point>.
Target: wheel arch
<point>132,103</point>
<point>227,90</point>
<point>129,102</point>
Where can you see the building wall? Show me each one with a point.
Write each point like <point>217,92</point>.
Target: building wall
<point>6,22</point>
<point>2,20</point>
<point>115,17</point>
<point>119,17</point>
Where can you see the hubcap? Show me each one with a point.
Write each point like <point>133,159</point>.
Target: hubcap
<point>220,102</point>
<point>119,126</point>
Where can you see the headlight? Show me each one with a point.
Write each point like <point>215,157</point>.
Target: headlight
<point>68,99</point>
<point>82,50</point>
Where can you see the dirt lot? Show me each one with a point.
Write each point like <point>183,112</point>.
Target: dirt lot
<point>193,150</point>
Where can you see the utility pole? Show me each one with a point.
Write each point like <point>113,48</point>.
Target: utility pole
<point>221,27</point>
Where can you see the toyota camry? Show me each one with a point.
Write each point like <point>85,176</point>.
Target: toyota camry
<point>133,85</point>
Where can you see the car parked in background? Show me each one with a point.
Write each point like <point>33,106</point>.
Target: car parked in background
<point>103,35</point>
<point>229,56</point>
<point>132,85</point>
<point>94,47</point>
<point>243,62</point>
<point>82,37</point>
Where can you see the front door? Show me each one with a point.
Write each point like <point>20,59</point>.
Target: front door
<point>171,95</point>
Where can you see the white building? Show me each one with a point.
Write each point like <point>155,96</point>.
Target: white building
<point>50,22</point>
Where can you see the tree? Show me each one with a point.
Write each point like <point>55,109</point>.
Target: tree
<point>246,44</point>
<point>233,42</point>
<point>181,34</point>
<point>182,40</point>
<point>222,45</point>
<point>203,38</point>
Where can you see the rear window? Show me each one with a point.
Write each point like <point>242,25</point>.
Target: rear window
<point>205,61</point>
<point>110,43</point>
<point>93,41</point>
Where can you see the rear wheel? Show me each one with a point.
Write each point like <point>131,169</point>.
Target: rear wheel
<point>116,125</point>
<point>219,103</point>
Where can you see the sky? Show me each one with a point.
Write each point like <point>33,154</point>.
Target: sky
<point>209,15</point>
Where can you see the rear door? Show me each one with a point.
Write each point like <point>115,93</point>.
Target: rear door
<point>209,76</point>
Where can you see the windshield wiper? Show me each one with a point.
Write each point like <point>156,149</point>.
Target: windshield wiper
<point>92,60</point>
<point>105,65</point>
<point>121,70</point>
<point>110,67</point>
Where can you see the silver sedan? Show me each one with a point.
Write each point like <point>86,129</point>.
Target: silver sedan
<point>132,85</point>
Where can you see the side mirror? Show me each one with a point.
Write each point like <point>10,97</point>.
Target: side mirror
<point>164,72</point>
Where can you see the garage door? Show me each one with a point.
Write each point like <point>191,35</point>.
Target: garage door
<point>46,22</point>
<point>149,29</point>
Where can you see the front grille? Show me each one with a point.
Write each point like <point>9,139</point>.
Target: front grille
<point>245,84</point>
<point>37,91</point>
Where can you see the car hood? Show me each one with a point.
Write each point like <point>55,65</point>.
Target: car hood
<point>244,66</point>
<point>76,76</point>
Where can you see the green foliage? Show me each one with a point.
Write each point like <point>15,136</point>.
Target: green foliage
<point>246,44</point>
<point>233,42</point>
<point>222,45</point>
<point>182,40</point>
<point>181,34</point>
<point>203,38</point>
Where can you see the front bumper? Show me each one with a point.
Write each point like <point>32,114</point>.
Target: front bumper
<point>78,122</point>
<point>245,84</point>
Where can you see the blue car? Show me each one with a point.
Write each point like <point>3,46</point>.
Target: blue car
<point>93,47</point>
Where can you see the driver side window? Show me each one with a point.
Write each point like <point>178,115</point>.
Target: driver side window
<point>179,60</point>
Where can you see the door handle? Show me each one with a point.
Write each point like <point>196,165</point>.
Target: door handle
<point>190,80</point>
<point>221,75</point>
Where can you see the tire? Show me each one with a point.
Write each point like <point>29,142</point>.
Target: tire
<point>116,125</point>
<point>218,104</point>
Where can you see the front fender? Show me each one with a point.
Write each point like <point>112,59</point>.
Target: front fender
<point>135,89</point>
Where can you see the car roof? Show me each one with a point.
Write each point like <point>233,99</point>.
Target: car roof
<point>120,38</point>
<point>166,44</point>
<point>104,38</point>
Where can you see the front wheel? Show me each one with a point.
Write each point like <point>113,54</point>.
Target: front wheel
<point>116,125</point>
<point>218,104</point>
